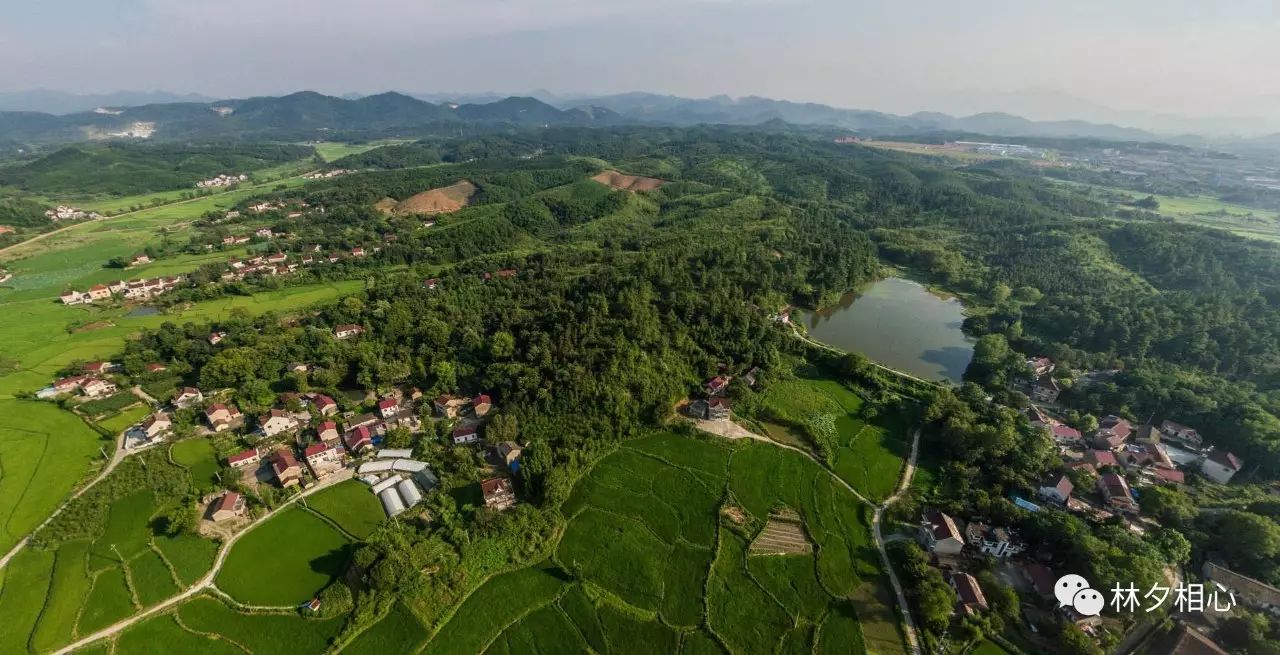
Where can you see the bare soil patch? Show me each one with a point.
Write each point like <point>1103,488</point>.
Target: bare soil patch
<point>624,182</point>
<point>386,205</point>
<point>96,325</point>
<point>735,514</point>
<point>783,534</point>
<point>444,200</point>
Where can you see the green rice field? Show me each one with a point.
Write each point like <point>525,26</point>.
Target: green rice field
<point>300,553</point>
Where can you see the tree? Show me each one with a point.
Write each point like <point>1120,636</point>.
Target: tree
<point>1149,203</point>
<point>1244,538</point>
<point>398,437</point>
<point>503,427</point>
<point>502,345</point>
<point>1168,506</point>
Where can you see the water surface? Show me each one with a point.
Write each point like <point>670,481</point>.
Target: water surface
<point>899,324</point>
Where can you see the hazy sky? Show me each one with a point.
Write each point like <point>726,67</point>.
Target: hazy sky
<point>1177,56</point>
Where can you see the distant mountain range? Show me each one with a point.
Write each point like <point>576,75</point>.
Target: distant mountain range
<point>46,101</point>
<point>307,115</point>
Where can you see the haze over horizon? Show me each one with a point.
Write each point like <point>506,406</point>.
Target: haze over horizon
<point>1103,59</point>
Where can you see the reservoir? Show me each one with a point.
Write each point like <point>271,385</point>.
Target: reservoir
<point>900,324</point>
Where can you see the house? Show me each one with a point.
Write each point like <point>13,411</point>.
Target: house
<point>1056,489</point>
<point>1040,366</point>
<point>322,458</point>
<point>275,422</point>
<point>1100,458</point>
<point>498,493</point>
<point>358,440</point>
<point>939,534</point>
<point>324,404</point>
<point>156,425</point>
<point>387,407</point>
<point>187,397</point>
<point>98,368</point>
<point>716,385</point>
<point>447,406</point>
<point>751,376</point>
<point>357,252</point>
<point>99,292</point>
<point>229,506</point>
<point>1112,432</point>
<point>328,433</point>
<point>997,542</point>
<point>1041,578</point>
<point>221,417</point>
<point>508,452</point>
<point>481,404</point>
<point>95,388</point>
<point>1172,477</point>
<point>277,258</point>
<point>139,260</point>
<point>1185,640</point>
<point>285,466</point>
<point>69,384</point>
<point>1145,454</point>
<point>1253,593</point>
<point>970,599</point>
<point>465,434</point>
<point>245,459</point>
<point>216,338</point>
<point>1045,389</point>
<point>1220,466</point>
<point>362,421</point>
<point>1115,491</point>
<point>1181,432</point>
<point>431,284</point>
<point>1065,435</point>
<point>155,367</point>
<point>347,331</point>
<point>718,409</point>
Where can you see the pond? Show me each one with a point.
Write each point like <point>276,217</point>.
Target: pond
<point>900,324</point>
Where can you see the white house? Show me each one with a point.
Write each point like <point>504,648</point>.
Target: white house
<point>155,425</point>
<point>1056,489</point>
<point>275,422</point>
<point>347,331</point>
<point>939,533</point>
<point>1220,466</point>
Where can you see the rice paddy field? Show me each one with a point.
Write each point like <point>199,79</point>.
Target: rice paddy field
<point>351,505</point>
<point>199,458</point>
<point>284,561</point>
<point>868,454</point>
<point>651,561</point>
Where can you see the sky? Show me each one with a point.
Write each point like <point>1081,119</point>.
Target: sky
<point>1182,57</point>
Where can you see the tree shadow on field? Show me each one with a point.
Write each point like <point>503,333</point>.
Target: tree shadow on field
<point>334,562</point>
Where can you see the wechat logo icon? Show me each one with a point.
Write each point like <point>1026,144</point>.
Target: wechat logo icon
<point>1074,591</point>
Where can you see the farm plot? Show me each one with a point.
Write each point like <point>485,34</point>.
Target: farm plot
<point>198,456</point>
<point>645,556</point>
<point>350,505</point>
<point>783,534</point>
<point>190,556</point>
<point>108,602</point>
<point>398,632</point>
<point>44,453</point>
<point>300,551</point>
<point>260,633</point>
<point>866,453</point>
<point>163,634</point>
<point>127,532</point>
<point>26,581</point>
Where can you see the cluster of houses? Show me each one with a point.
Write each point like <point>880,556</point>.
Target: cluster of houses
<point>321,175</point>
<point>86,386</point>
<point>943,537</point>
<point>279,263</point>
<point>69,213</point>
<point>221,180</point>
<point>1118,452</point>
<point>131,290</point>
<point>715,406</point>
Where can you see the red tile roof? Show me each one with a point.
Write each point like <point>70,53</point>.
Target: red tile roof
<point>315,449</point>
<point>388,403</point>
<point>243,455</point>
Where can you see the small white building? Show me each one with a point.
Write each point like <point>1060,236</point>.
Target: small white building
<point>1220,466</point>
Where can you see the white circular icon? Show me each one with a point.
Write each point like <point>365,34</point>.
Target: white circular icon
<point>1066,587</point>
<point>1088,602</point>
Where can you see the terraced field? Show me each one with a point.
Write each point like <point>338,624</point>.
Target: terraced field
<point>655,558</point>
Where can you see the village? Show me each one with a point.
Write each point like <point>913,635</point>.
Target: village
<point>1101,478</point>
<point>306,439</point>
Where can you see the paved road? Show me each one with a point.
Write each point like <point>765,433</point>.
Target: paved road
<point>738,432</point>
<point>116,458</point>
<point>207,581</point>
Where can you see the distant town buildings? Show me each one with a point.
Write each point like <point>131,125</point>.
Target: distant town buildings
<point>221,181</point>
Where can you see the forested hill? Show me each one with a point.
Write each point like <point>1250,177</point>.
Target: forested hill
<point>1188,314</point>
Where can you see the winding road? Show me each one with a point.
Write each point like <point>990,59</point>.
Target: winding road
<point>207,581</point>
<point>734,431</point>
